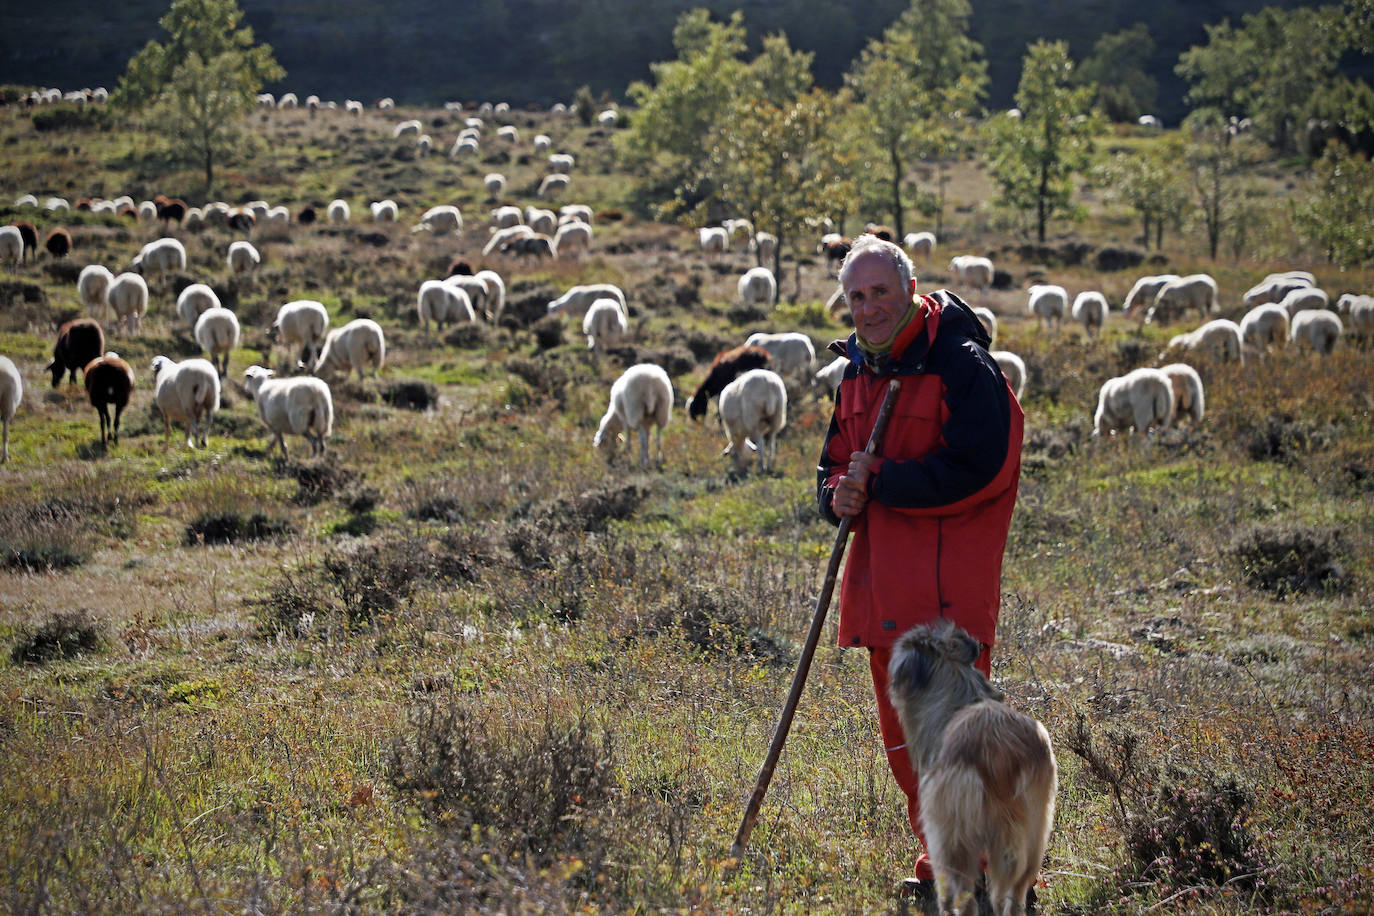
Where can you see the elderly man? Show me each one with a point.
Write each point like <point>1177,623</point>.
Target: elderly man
<point>932,508</point>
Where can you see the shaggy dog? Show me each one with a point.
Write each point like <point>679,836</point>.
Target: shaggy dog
<point>987,772</point>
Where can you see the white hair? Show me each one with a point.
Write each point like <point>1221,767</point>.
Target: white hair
<point>871,244</point>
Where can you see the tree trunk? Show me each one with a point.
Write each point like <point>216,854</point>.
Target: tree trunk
<point>1146,216</point>
<point>1042,204</point>
<point>209,174</point>
<point>896,192</point>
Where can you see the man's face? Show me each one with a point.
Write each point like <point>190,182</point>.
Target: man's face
<point>876,296</point>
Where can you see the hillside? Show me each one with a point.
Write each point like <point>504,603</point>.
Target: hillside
<point>428,51</point>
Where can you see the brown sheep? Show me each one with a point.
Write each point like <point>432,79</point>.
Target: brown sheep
<point>79,341</point>
<point>170,209</point>
<point>724,368</point>
<point>58,243</point>
<point>109,380</point>
<point>29,233</point>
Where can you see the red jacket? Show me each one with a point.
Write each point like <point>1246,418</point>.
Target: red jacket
<point>929,542</point>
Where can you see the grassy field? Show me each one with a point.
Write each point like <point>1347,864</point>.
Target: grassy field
<point>460,664</point>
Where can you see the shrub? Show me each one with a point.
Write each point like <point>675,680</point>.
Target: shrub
<point>1284,559</point>
<point>410,394</point>
<point>61,635</point>
<point>231,527</point>
<point>1282,438</point>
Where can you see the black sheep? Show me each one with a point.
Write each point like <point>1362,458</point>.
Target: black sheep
<point>724,369</point>
<point>78,342</point>
<point>58,243</point>
<point>29,233</point>
<point>109,380</point>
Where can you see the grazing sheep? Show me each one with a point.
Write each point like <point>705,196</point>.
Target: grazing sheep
<point>1014,368</point>
<point>541,220</point>
<point>240,220</point>
<point>1090,309</point>
<point>578,299</point>
<point>384,211</point>
<point>1194,291</point>
<point>193,300</point>
<point>1139,399</point>
<point>1048,303</point>
<point>605,325</point>
<point>386,103</point>
<point>495,183</point>
<point>1317,329</point>
<point>757,287</point>
<point>443,302</point>
<point>29,233</point>
<point>572,238</point>
<point>725,368</point>
<point>714,239</point>
<point>507,216</point>
<point>1360,310</point>
<point>442,219</point>
<point>500,238</point>
<point>552,185</point>
<point>833,374</point>
<point>764,246</point>
<point>353,107</point>
<point>542,142</point>
<point>1187,387</point>
<point>406,128</point>
<point>464,146</point>
<point>128,298</point>
<point>243,259</point>
<point>11,393</point>
<point>78,342</point>
<point>11,246</point>
<point>972,271</point>
<point>357,346</point>
<point>608,117</point>
<point>792,352</point>
<point>188,392</point>
<point>300,327</point>
<point>532,244</point>
<point>58,243</point>
<point>1272,289</point>
<point>640,398</point>
<point>337,212</point>
<point>478,291</point>
<point>217,332</point>
<point>160,258</point>
<point>109,381</point>
<point>1264,326</point>
<point>737,229</point>
<point>1221,336</point>
<point>989,320</point>
<point>1304,298</point>
<point>753,409</point>
<point>496,293</point>
<point>922,243</point>
<point>300,406</point>
<point>1142,295</point>
<point>575,213</point>
<point>561,163</point>
<point>93,285</point>
<point>835,248</point>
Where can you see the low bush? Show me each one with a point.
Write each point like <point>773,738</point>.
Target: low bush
<point>62,635</point>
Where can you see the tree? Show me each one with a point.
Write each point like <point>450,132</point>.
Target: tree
<point>1118,69</point>
<point>202,82</point>
<point>1149,183</point>
<point>915,86</point>
<point>1035,155</point>
<point>1337,212</point>
<point>1217,160</point>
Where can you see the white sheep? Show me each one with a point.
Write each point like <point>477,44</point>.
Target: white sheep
<point>302,406</point>
<point>186,392</point>
<point>542,142</point>
<point>1272,289</point>
<point>1360,310</point>
<point>506,216</point>
<point>496,293</point>
<point>478,290</point>
<point>353,107</point>
<point>757,287</point>
<point>1014,368</point>
<point>831,375</point>
<point>553,185</point>
<point>972,271</point>
<point>790,353</point>
<point>243,259</point>
<point>384,211</point>
<point>424,144</point>
<point>464,146</point>
<point>1264,326</point>
<point>1303,298</point>
<point>1139,399</point>
<point>1194,291</point>
<point>1221,336</point>
<point>640,398</point>
<point>160,258</point>
<point>276,218</point>
<point>386,103</point>
<point>605,325</point>
<point>495,183</point>
<point>575,213</point>
<point>93,285</point>
<point>11,393</point>
<point>753,409</point>
<point>714,239</point>
<point>442,220</point>
<point>357,346</point>
<point>764,246</point>
<point>193,300</point>
<point>1048,303</point>
<point>572,238</point>
<point>300,328</point>
<point>338,211</point>
<point>500,238</point>
<point>1317,329</point>
<point>578,299</point>
<point>989,321</point>
<point>128,298</point>
<point>608,117</point>
<point>1189,399</point>
<point>443,302</point>
<point>1090,309</point>
<point>508,132</point>
<point>561,162</point>
<point>217,332</point>
<point>541,220</point>
<point>406,128</point>
<point>922,243</point>
<point>1142,295</point>
<point>11,246</point>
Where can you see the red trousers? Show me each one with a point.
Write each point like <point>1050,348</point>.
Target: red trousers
<point>898,757</point>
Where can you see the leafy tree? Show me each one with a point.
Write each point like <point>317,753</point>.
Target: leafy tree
<point>1337,213</point>
<point>1149,183</point>
<point>202,82</point>
<point>1268,69</point>
<point>1218,160</point>
<point>779,75</point>
<point>1034,156</point>
<point>915,86</point>
<point>1118,68</point>
<point>584,105</point>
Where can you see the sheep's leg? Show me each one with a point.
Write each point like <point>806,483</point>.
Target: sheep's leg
<point>644,446</point>
<point>118,411</point>
<point>5,449</point>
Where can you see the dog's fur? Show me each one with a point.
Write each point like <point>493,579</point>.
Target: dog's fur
<point>987,774</point>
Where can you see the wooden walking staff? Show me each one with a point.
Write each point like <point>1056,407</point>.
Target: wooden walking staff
<point>789,709</point>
